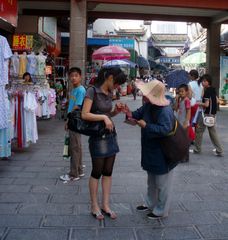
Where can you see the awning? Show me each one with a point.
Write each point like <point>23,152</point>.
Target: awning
<point>194,59</point>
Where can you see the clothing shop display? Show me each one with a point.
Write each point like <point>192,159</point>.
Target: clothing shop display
<point>28,62</point>
<point>41,64</point>
<point>14,65</point>
<point>31,64</point>
<point>5,54</point>
<point>22,63</point>
<point>46,100</point>
<point>26,103</point>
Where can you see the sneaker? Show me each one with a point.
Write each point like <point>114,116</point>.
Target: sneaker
<point>142,208</point>
<point>153,216</point>
<point>67,177</point>
<point>218,154</point>
<point>194,151</point>
<point>82,175</point>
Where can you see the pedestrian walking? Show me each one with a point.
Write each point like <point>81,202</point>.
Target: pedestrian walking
<point>75,148</point>
<point>195,95</point>
<point>209,108</point>
<point>156,119</point>
<point>183,109</point>
<point>98,107</point>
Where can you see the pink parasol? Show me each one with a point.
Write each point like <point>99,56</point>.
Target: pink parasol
<point>111,53</point>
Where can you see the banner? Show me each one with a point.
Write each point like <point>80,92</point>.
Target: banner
<point>22,42</point>
<point>8,11</point>
<point>224,76</point>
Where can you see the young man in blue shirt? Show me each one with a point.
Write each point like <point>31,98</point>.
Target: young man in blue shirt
<point>76,99</point>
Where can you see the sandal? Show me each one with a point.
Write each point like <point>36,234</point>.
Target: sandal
<point>98,215</point>
<point>110,214</point>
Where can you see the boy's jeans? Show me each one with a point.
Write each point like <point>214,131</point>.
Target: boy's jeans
<point>158,191</point>
<point>75,148</point>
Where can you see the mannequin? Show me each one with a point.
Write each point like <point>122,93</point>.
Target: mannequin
<point>41,63</point>
<point>22,64</point>
<point>31,64</point>
<point>14,65</point>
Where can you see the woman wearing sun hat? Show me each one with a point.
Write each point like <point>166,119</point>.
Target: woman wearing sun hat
<point>156,119</point>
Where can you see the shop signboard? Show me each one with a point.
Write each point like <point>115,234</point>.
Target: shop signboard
<point>122,42</point>
<point>173,60</point>
<point>22,42</point>
<point>8,11</point>
<point>223,74</point>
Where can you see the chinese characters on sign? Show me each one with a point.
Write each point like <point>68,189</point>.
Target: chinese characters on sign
<point>174,60</point>
<point>22,42</point>
<point>121,42</point>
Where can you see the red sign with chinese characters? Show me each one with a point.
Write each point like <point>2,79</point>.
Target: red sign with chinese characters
<point>22,42</point>
<point>8,11</point>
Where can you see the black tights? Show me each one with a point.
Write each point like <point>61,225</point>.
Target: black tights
<point>102,166</point>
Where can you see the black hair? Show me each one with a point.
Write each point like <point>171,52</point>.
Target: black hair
<point>200,80</point>
<point>194,73</point>
<point>75,70</point>
<point>184,86</point>
<point>27,74</point>
<point>118,76</point>
<point>208,78</point>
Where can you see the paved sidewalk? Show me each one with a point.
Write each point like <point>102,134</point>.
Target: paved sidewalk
<point>36,205</point>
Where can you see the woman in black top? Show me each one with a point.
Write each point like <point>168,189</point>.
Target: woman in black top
<point>209,107</point>
<point>98,107</point>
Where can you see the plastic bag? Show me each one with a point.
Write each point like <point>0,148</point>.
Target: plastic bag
<point>66,152</point>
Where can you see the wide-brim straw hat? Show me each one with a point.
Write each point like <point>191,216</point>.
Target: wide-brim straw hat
<point>154,91</point>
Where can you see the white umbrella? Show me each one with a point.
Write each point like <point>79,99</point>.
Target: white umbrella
<point>120,63</point>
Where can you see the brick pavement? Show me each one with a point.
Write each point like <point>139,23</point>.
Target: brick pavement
<point>36,205</point>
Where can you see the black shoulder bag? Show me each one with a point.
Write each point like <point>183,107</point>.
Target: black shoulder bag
<point>88,128</point>
<point>175,145</point>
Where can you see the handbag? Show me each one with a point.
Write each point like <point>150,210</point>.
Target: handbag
<point>208,120</point>
<point>88,128</point>
<point>175,145</point>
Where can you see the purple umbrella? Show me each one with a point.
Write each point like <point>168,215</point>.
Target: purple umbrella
<point>177,77</point>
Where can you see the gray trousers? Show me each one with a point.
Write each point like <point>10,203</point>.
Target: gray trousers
<point>158,193</point>
<point>200,128</point>
<point>75,149</point>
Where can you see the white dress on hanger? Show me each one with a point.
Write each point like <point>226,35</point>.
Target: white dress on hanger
<point>14,65</point>
<point>5,54</point>
<point>31,64</point>
<point>41,64</point>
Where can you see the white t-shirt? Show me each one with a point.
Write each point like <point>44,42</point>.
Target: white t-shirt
<point>196,90</point>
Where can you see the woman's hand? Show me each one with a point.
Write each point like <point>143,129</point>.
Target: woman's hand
<point>108,123</point>
<point>126,110</point>
<point>118,107</point>
<point>141,123</point>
